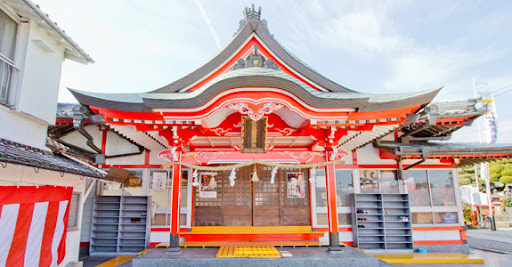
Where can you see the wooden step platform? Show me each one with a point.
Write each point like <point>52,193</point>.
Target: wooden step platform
<point>218,244</point>
<point>251,233</point>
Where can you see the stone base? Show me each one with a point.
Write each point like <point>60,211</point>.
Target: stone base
<point>291,257</point>
<point>174,251</point>
<point>335,250</point>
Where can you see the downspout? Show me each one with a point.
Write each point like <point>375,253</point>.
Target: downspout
<point>78,124</point>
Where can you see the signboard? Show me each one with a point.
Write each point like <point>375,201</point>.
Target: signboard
<point>208,187</point>
<point>295,185</point>
<point>159,181</point>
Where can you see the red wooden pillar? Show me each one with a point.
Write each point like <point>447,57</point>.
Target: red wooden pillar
<point>174,242</point>
<point>332,211</point>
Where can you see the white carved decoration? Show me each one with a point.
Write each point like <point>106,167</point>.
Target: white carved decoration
<point>220,131</point>
<point>204,156</point>
<point>248,109</point>
<point>286,131</point>
<point>241,107</point>
<point>269,108</point>
<point>307,155</point>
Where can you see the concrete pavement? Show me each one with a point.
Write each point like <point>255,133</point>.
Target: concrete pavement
<point>499,240</point>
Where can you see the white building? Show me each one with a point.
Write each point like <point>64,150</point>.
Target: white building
<point>32,49</point>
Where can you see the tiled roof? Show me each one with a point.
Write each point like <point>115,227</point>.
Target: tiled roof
<point>174,95</point>
<point>16,153</point>
<point>439,120</point>
<point>59,147</point>
<point>65,110</point>
<point>253,77</point>
<point>468,153</point>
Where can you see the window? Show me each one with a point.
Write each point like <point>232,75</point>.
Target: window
<point>369,181</point>
<point>374,181</point>
<point>321,191</point>
<point>344,191</point>
<point>418,189</point>
<point>344,188</point>
<point>432,195</point>
<point>441,184</point>
<point>8,28</point>
<point>74,208</point>
<point>388,182</point>
<point>160,190</point>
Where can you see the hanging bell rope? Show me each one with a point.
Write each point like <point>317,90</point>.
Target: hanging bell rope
<point>169,164</point>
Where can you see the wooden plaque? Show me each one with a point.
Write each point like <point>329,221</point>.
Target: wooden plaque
<point>254,135</point>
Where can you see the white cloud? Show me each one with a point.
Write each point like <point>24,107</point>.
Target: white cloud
<point>425,68</point>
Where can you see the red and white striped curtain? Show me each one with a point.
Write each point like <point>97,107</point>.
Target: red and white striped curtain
<point>33,223</point>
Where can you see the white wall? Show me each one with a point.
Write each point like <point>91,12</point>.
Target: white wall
<point>22,129</point>
<point>39,85</point>
<point>36,91</point>
<point>128,160</point>
<point>370,155</point>
<point>87,216</point>
<point>117,145</point>
<point>154,159</point>
<point>72,247</point>
<point>77,139</point>
<point>23,175</point>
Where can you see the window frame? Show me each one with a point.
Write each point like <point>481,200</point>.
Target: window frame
<point>78,219</point>
<point>438,209</point>
<point>379,177</point>
<point>13,84</point>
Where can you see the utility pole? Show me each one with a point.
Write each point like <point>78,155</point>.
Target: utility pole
<point>484,167</point>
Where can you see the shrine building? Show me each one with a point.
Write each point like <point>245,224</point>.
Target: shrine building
<point>255,145</point>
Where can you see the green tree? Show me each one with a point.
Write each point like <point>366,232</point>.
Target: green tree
<point>505,179</point>
<point>499,171</point>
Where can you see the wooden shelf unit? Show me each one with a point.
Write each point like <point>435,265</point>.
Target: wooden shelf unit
<point>382,222</point>
<point>120,225</point>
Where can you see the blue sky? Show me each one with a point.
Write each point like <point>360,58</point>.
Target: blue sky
<point>368,46</point>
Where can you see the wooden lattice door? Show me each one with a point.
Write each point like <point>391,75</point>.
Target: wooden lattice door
<point>259,203</point>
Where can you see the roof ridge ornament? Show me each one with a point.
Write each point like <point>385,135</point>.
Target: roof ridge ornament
<point>250,13</point>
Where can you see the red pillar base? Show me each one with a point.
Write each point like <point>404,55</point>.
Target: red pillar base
<point>174,244</point>
<point>334,241</point>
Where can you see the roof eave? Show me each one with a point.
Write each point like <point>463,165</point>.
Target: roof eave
<point>76,53</point>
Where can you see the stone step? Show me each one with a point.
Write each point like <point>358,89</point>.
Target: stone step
<point>502,225</point>
<point>501,219</point>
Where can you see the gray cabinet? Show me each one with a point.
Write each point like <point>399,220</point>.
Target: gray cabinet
<point>382,222</point>
<point>120,225</point>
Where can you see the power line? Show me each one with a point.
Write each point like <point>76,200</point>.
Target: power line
<point>503,91</point>
<point>502,88</point>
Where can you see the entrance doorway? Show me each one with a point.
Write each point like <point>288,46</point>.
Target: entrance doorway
<point>282,203</point>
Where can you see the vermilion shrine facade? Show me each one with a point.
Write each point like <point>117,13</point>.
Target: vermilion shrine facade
<point>262,140</point>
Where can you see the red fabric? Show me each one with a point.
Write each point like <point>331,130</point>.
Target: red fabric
<point>27,197</point>
<point>49,229</point>
<point>19,241</point>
